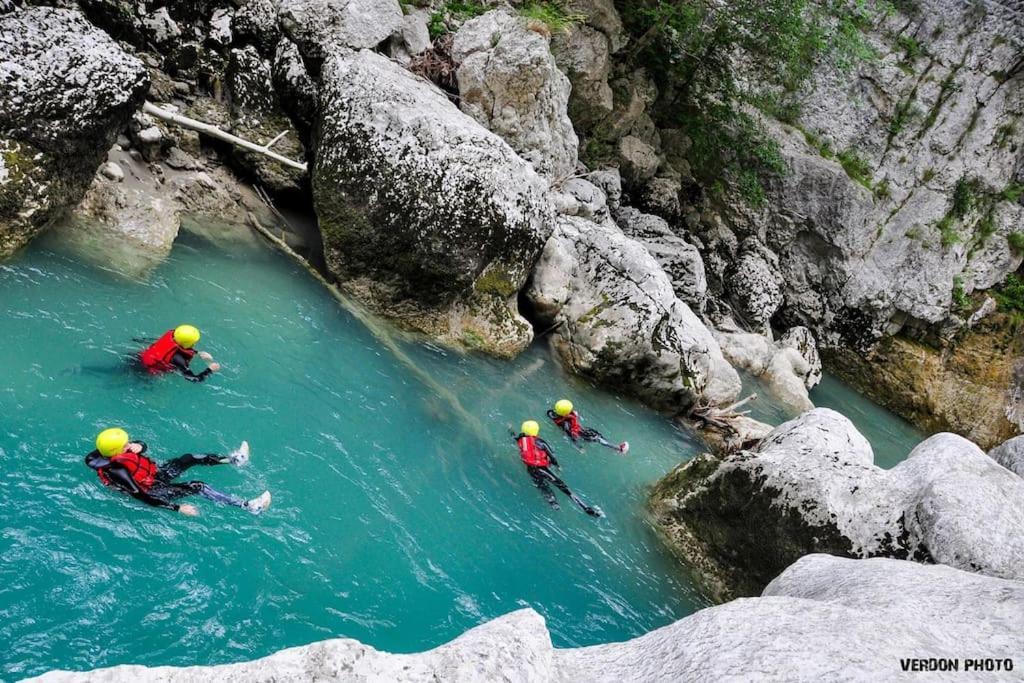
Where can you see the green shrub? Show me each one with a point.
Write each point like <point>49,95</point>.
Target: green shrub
<point>855,166</point>
<point>882,190</point>
<point>1010,295</point>
<point>1012,192</point>
<point>1016,241</point>
<point>948,234</point>
<point>928,174</point>
<point>965,197</point>
<point>960,299</point>
<point>912,49</point>
<point>456,11</point>
<point>555,15</point>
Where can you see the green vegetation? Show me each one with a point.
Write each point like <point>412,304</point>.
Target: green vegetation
<point>1012,192</point>
<point>689,48</point>
<point>960,299</point>
<point>855,166</point>
<point>948,87</point>
<point>928,174</point>
<point>822,147</point>
<point>882,190</point>
<point>1010,295</point>
<point>453,11</point>
<point>556,16</point>
<point>1003,135</point>
<point>1016,241</point>
<point>912,49</point>
<point>948,234</point>
<point>965,197</point>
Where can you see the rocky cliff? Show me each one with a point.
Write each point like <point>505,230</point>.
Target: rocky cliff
<point>824,618</point>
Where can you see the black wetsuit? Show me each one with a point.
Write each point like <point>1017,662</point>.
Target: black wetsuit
<point>164,490</point>
<point>585,434</point>
<point>543,476</point>
<point>181,364</point>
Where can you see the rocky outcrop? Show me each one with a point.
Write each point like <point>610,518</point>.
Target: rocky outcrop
<point>319,27</point>
<point>426,215</point>
<point>66,90</point>
<point>1010,454</point>
<point>509,82</point>
<point>969,388</point>
<point>824,618</point>
<point>618,318</point>
<point>811,486</point>
<point>789,367</point>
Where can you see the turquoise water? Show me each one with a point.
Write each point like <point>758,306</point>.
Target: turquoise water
<point>399,517</point>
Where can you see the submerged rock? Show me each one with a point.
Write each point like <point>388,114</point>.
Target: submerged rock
<point>425,215</point>
<point>509,82</point>
<point>619,319</point>
<point>824,618</point>
<point>811,486</point>
<point>789,367</point>
<point>66,90</point>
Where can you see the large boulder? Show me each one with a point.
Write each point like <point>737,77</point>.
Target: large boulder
<point>619,320</point>
<point>583,54</point>
<point>811,486</point>
<point>789,367</point>
<point>1010,454</point>
<point>827,618</point>
<point>824,618</point>
<point>66,90</point>
<point>425,215</point>
<point>320,27</point>
<point>509,82</point>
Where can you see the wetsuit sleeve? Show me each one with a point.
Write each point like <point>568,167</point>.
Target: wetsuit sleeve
<point>120,478</point>
<point>543,445</point>
<point>179,361</point>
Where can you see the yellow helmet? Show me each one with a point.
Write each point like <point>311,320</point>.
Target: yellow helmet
<point>186,336</point>
<point>111,441</point>
<point>530,428</point>
<point>563,407</point>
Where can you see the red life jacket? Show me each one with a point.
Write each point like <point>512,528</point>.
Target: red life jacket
<point>532,454</point>
<point>157,358</point>
<point>572,421</point>
<point>142,469</point>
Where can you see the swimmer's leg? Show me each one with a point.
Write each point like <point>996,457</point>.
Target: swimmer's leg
<point>541,482</point>
<point>564,488</point>
<point>172,469</point>
<point>199,488</point>
<point>595,436</point>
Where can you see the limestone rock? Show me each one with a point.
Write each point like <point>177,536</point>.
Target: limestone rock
<point>583,55</point>
<point>754,290</point>
<point>426,216</point>
<point>256,115</point>
<point>320,27</point>
<point>161,29</point>
<point>639,160</point>
<point>1010,454</point>
<point>680,259</point>
<point>255,23</point>
<point>510,83</point>
<point>621,322</point>
<point>66,90</point>
<point>220,28</point>
<point>810,486</point>
<point>294,85</point>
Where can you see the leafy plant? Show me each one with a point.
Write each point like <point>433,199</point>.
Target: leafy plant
<point>1012,192</point>
<point>912,49</point>
<point>855,166</point>
<point>556,16</point>
<point>960,299</point>
<point>1010,295</point>
<point>1016,241</point>
<point>453,11</point>
<point>948,234</point>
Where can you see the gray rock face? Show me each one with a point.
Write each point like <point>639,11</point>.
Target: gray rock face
<point>255,22</point>
<point>755,291</point>
<point>320,27</point>
<point>680,259</point>
<point>810,486</point>
<point>824,618</point>
<point>294,85</point>
<point>583,55</point>
<point>621,321</point>
<point>1010,454</point>
<point>510,83</point>
<point>257,115</point>
<point>426,215</point>
<point>66,89</point>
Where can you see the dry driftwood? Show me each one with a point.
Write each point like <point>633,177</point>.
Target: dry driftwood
<point>215,132</point>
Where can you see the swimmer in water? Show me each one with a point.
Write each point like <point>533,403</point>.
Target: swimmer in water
<point>538,457</point>
<point>174,352</point>
<point>569,420</point>
<point>123,465</point>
